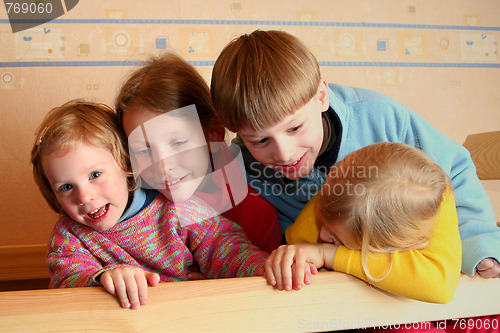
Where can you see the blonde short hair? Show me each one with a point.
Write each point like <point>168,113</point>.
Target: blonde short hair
<point>395,194</point>
<point>76,122</point>
<point>260,78</point>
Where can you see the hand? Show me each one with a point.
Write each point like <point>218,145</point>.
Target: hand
<point>488,268</point>
<point>195,273</point>
<point>130,284</point>
<point>289,266</point>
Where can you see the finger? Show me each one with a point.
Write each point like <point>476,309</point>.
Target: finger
<point>259,271</point>
<point>142,289</point>
<point>153,278</point>
<point>276,266</point>
<point>302,268</point>
<point>268,272</point>
<point>487,268</point>
<point>132,291</point>
<point>307,274</point>
<point>485,264</point>
<point>121,291</point>
<point>286,268</point>
<point>107,283</point>
<point>195,276</point>
<point>486,274</point>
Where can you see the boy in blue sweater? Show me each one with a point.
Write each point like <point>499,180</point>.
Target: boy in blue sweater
<point>293,126</point>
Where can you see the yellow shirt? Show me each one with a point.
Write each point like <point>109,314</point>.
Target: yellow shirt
<point>430,274</point>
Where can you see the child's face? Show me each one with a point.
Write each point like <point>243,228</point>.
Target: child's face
<point>291,146</point>
<point>89,184</point>
<point>169,152</point>
<point>338,233</point>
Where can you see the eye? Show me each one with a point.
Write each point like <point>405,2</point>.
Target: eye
<point>179,143</point>
<point>65,188</point>
<point>260,142</point>
<point>95,174</point>
<point>294,129</point>
<point>142,152</point>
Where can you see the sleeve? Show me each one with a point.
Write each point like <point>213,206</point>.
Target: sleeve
<point>477,225</point>
<point>304,229</point>
<point>434,271</point>
<point>259,220</point>
<point>70,264</point>
<point>219,246</point>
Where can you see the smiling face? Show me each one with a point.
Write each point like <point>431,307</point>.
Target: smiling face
<point>291,146</point>
<point>168,151</point>
<point>89,184</point>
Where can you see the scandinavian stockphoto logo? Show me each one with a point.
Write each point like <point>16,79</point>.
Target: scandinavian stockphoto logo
<point>25,14</point>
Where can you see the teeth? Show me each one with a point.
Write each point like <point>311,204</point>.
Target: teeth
<point>297,161</point>
<point>91,214</point>
<point>170,183</point>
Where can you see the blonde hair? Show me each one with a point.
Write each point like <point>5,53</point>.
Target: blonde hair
<point>260,78</point>
<point>389,194</point>
<point>167,83</point>
<point>76,122</point>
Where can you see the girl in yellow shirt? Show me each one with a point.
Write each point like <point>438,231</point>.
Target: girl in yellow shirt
<point>386,215</point>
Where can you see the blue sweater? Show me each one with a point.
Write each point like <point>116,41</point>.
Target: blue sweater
<point>362,117</point>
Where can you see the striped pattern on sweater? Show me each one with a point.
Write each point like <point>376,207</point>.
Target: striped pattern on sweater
<point>165,238</point>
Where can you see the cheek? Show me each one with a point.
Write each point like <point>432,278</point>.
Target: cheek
<point>260,154</point>
<point>116,185</point>
<point>70,208</point>
<point>324,236</point>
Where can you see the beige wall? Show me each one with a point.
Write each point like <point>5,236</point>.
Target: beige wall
<point>34,78</point>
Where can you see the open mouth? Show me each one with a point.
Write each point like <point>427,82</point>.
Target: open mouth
<point>99,212</point>
<point>292,166</point>
<point>294,163</point>
<point>173,182</point>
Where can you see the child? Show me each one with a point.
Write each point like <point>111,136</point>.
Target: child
<point>110,236</point>
<point>151,106</point>
<point>384,205</point>
<point>293,127</point>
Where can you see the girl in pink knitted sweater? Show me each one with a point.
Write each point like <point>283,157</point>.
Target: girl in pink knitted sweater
<point>112,235</point>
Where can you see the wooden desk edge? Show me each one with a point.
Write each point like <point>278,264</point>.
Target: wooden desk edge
<point>334,301</point>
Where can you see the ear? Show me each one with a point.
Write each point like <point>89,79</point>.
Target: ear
<point>323,94</point>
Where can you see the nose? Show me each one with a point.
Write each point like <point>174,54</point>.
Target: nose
<point>284,150</point>
<point>84,195</point>
<point>168,164</point>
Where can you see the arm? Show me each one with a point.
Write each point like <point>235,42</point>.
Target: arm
<point>219,246</point>
<point>477,225</point>
<point>70,264</point>
<point>225,251</point>
<point>370,117</point>
<point>433,271</point>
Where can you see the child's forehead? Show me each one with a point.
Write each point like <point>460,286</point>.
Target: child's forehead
<point>72,146</point>
<point>167,124</point>
<point>284,122</point>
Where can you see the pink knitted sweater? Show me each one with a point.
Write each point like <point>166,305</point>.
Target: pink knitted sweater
<point>165,238</point>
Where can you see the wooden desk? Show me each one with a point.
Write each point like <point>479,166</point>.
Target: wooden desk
<point>333,301</point>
